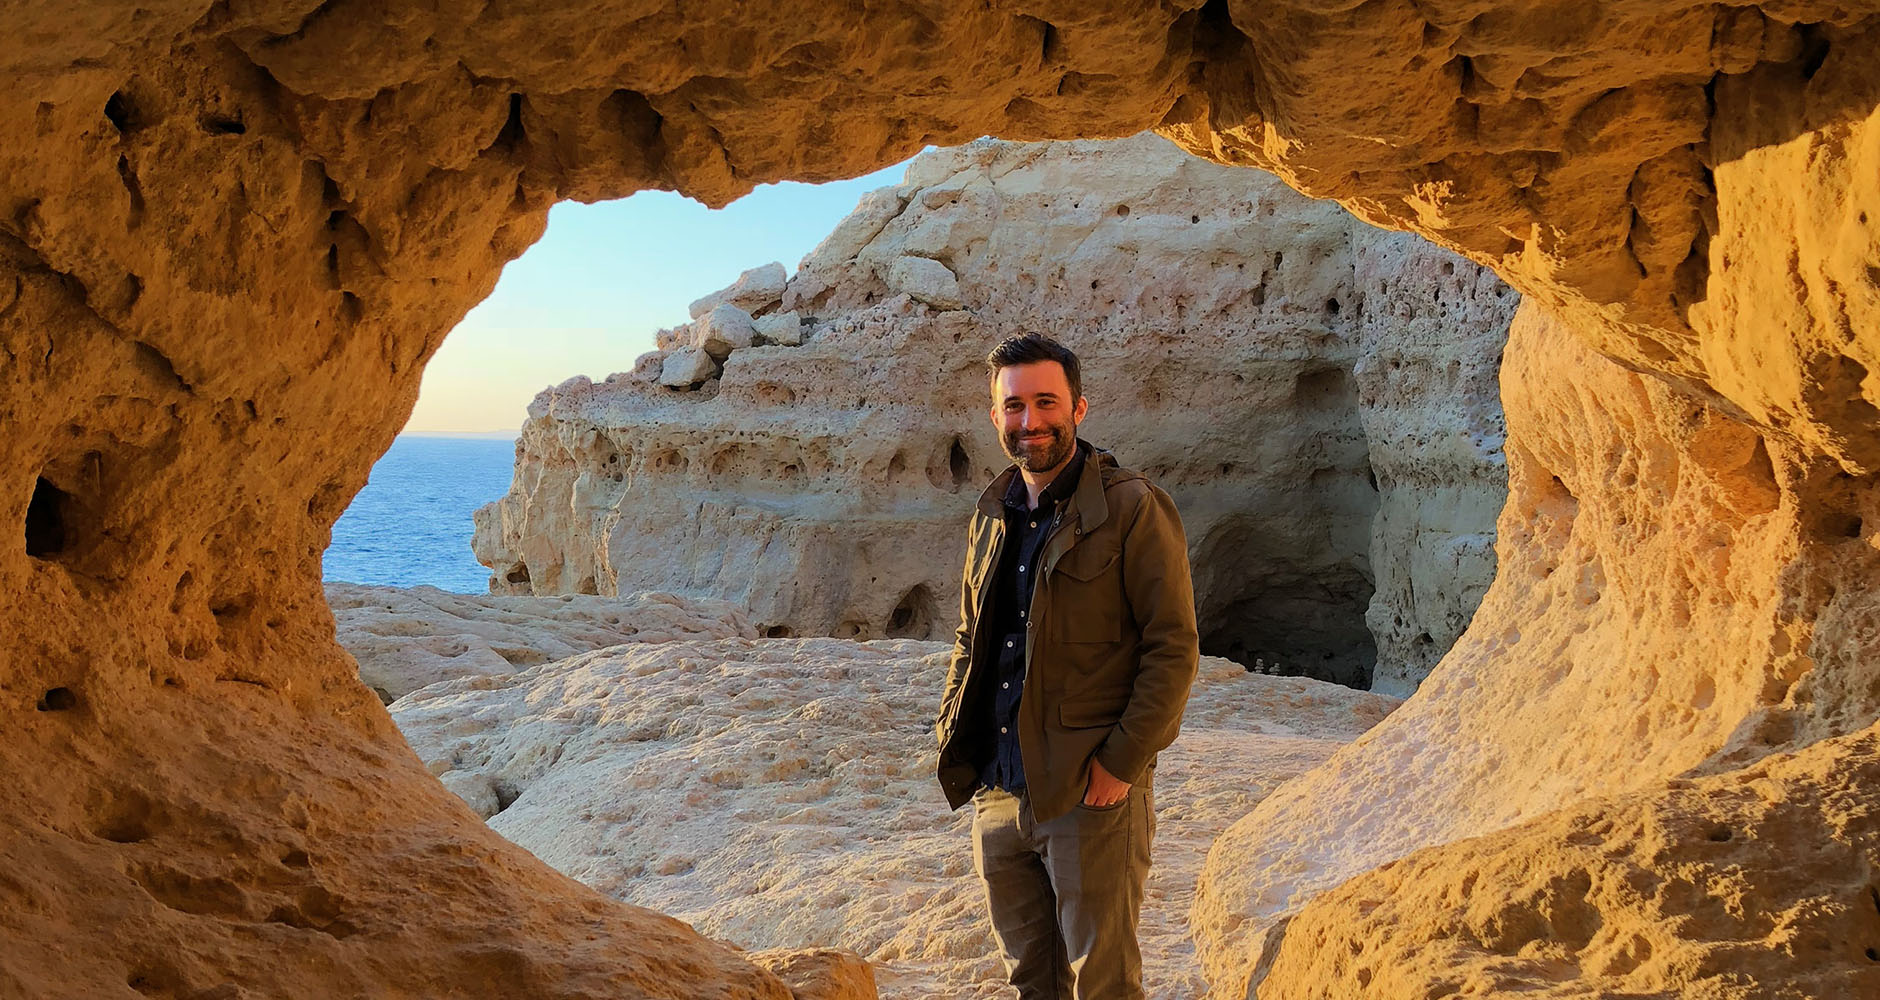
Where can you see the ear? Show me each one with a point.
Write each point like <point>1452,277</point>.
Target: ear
<point>1078,411</point>
<point>993,412</point>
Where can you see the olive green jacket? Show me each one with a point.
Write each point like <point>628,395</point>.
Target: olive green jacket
<point>1110,645</point>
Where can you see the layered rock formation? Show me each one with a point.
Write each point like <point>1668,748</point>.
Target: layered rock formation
<point>233,233</point>
<point>1221,318</point>
<point>780,793</point>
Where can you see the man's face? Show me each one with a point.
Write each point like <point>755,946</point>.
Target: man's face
<point>1035,414</point>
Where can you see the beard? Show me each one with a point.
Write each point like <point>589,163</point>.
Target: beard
<point>1041,456</point>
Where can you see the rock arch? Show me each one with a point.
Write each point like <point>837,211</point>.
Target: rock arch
<point>231,235</point>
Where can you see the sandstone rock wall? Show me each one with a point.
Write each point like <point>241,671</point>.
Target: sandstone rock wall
<point>1222,320</point>
<point>233,233</point>
<point>1659,572</point>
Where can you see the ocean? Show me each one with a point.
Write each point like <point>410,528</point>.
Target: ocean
<point>411,523</point>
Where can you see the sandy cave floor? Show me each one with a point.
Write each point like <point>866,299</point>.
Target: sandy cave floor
<point>779,793</point>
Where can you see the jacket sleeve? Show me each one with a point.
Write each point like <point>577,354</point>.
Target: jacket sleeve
<point>1161,598</point>
<point>962,640</point>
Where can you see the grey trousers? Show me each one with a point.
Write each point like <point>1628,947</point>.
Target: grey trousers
<point>1066,895</point>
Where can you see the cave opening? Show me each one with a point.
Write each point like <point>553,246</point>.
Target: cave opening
<point>45,520</point>
<point>916,616</point>
<point>1284,593</point>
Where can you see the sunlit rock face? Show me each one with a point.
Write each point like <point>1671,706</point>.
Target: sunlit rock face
<point>233,233</point>
<point>1221,319</point>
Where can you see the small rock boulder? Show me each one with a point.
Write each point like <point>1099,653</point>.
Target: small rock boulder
<point>686,367</point>
<point>784,328</point>
<point>927,280</point>
<point>755,290</point>
<point>820,973</point>
<point>723,330</point>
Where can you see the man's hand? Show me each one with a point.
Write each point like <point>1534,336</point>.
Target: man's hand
<point>1104,789</point>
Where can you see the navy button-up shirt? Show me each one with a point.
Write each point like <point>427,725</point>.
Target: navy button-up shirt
<point>1026,531</point>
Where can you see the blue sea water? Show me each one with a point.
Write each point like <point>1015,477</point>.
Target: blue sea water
<point>411,523</point>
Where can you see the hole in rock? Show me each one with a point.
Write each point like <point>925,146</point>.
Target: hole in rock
<point>951,468</point>
<point>223,125</point>
<point>518,574</point>
<point>1720,835</point>
<point>958,464</point>
<point>1814,49</point>
<point>122,112</point>
<point>124,815</point>
<point>506,793</point>
<point>45,520</point>
<point>914,617</point>
<point>779,632</point>
<point>1276,603</point>
<point>1122,211</point>
<point>57,699</point>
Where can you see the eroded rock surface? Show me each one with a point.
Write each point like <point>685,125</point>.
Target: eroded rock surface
<point>780,793</point>
<point>1698,887</point>
<point>1660,574</point>
<point>405,639</point>
<point>1221,319</point>
<point>1429,360</point>
<point>233,233</point>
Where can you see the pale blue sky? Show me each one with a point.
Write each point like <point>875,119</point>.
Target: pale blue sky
<point>587,298</point>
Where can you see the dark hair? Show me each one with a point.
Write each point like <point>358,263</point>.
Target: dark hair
<point>1027,348</point>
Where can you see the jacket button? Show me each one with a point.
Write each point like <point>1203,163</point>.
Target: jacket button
<point>1002,729</point>
<point>1008,642</point>
<point>1006,685</point>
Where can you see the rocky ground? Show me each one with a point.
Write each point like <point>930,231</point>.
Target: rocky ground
<point>407,638</point>
<point>779,792</point>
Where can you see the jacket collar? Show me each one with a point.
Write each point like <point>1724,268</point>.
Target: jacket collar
<point>1087,502</point>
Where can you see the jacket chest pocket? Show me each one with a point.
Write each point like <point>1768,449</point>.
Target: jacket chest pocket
<point>1086,588</point>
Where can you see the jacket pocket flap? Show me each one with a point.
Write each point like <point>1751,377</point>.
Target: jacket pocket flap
<point>1086,565</point>
<point>1090,714</point>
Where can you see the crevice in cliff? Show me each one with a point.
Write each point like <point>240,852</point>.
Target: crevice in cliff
<point>135,217</point>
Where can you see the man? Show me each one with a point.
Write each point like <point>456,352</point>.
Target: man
<point>1075,651</point>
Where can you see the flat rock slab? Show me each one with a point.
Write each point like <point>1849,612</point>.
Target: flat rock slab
<point>405,639</point>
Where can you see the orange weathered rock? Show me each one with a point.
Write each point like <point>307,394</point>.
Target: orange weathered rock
<point>231,234</point>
